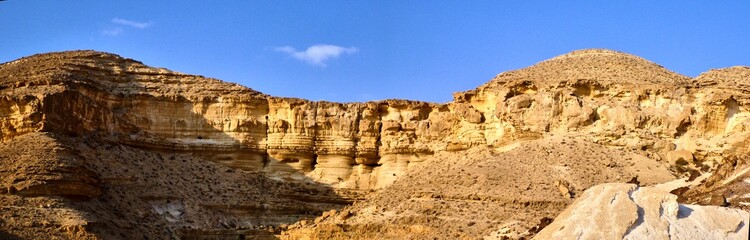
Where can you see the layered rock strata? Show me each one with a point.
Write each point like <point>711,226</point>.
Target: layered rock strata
<point>483,191</point>
<point>354,145</point>
<point>620,99</point>
<point>315,151</point>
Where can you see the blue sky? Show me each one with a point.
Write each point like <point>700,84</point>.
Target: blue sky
<point>357,50</point>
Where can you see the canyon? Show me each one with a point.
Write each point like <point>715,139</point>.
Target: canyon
<point>97,146</point>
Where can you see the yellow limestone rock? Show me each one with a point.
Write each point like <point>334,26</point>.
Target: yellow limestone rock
<point>609,98</point>
<point>615,98</point>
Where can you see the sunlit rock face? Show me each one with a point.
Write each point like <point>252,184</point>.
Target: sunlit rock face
<point>615,98</point>
<point>625,211</point>
<point>619,100</point>
<point>318,155</point>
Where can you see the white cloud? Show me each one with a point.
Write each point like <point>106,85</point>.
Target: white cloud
<point>138,25</point>
<point>317,54</point>
<point>117,30</point>
<point>112,31</point>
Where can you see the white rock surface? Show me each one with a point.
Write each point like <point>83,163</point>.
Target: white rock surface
<point>625,211</point>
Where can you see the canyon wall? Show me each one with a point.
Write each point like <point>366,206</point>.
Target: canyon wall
<point>126,143</point>
<point>607,97</point>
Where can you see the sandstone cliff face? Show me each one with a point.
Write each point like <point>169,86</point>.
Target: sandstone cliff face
<point>617,100</point>
<point>621,99</point>
<point>355,145</point>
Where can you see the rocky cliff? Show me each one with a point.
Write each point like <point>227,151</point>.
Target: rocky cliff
<point>354,145</point>
<point>682,126</point>
<point>620,99</point>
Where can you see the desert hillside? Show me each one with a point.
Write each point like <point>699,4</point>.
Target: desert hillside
<point>97,146</point>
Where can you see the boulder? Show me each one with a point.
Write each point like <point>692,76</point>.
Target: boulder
<point>626,211</point>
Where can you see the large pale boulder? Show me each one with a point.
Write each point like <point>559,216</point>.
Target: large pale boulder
<point>625,211</point>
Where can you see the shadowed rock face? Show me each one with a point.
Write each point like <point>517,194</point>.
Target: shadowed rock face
<point>344,149</point>
<point>46,168</point>
<point>92,188</point>
<point>353,145</point>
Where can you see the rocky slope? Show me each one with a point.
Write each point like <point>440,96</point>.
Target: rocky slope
<point>83,187</point>
<point>102,132</point>
<point>471,194</point>
<point>612,99</point>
